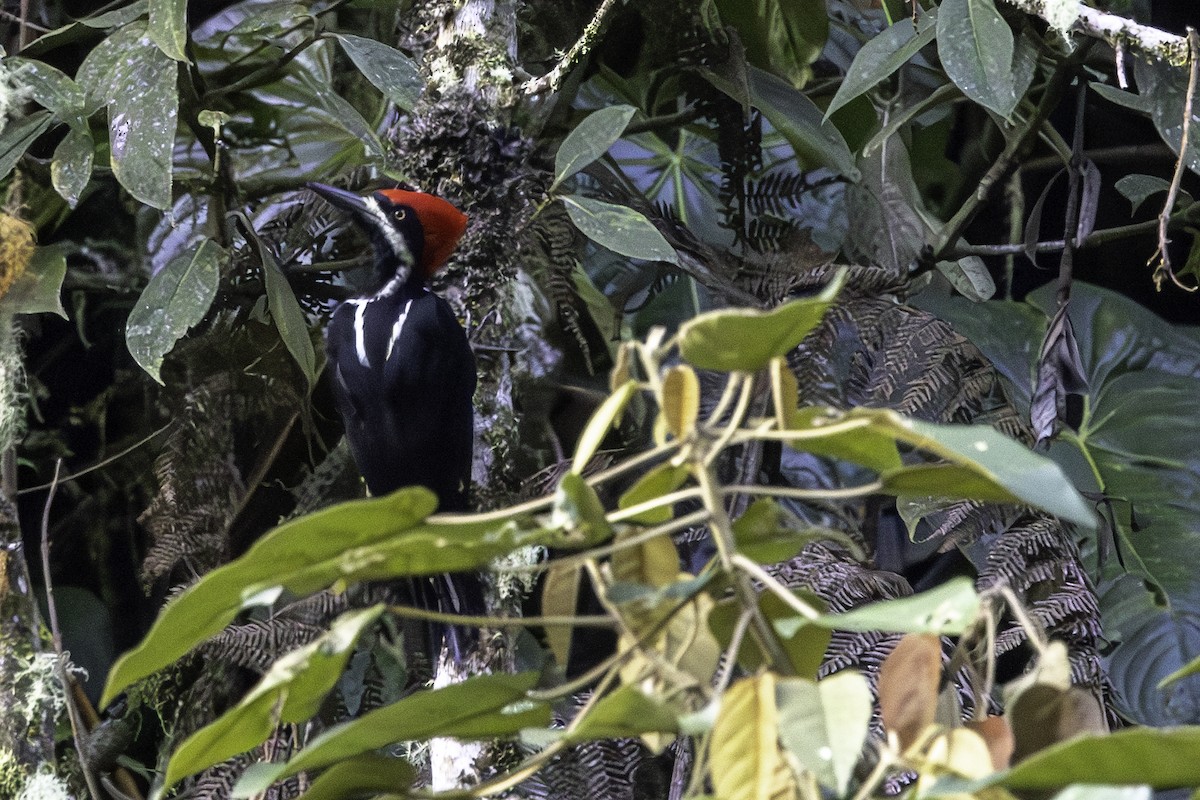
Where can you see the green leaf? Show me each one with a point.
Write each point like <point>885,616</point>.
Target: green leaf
<point>825,724</point>
<point>287,315</point>
<point>579,513</point>
<point>744,746</point>
<point>590,139</point>
<point>1093,792</point>
<point>118,16</point>
<point>658,482</point>
<point>17,138</point>
<point>805,646</point>
<point>619,228</point>
<point>746,339</point>
<point>623,714</point>
<point>388,70</point>
<point>168,27</point>
<point>1028,477</point>
<point>365,775</point>
<point>274,560</point>
<point>137,82</point>
<point>949,609</point>
<point>71,168</point>
<point>173,301</point>
<point>291,692</point>
<point>1138,188</point>
<point>1161,758</point>
<point>976,48</point>
<point>600,423</point>
<point>970,276</point>
<point>883,55</point>
<point>53,90</point>
<point>816,141</point>
<point>38,290</point>
<point>781,36</point>
<point>1138,443</point>
<point>481,707</point>
<point>1143,104</point>
<point>871,448</point>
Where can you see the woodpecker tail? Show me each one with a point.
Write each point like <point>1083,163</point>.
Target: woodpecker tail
<point>450,593</point>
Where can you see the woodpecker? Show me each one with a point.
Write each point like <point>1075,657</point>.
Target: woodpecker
<point>402,368</point>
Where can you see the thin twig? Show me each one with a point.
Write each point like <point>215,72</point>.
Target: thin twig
<point>98,465</point>
<point>594,621</point>
<point>78,729</point>
<point>1163,269</point>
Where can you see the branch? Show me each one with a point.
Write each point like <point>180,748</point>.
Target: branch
<point>1118,31</point>
<point>554,78</point>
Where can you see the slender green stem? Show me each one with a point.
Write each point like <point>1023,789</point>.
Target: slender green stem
<point>483,621</point>
<point>806,494</point>
<point>771,584</point>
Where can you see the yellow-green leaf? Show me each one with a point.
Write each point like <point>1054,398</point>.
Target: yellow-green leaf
<point>746,339</point>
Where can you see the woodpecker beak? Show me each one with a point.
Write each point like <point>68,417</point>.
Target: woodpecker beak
<point>340,198</point>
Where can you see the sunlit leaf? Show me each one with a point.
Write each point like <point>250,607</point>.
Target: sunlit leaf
<point>601,422</point>
<point>680,399</point>
<point>481,707</point>
<point>660,481</point>
<point>746,339</point>
<point>947,609</point>
<point>824,724</point>
<point>291,692</point>
<point>625,713</point>
<point>744,748</point>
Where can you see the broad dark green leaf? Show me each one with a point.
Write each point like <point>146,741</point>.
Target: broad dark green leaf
<point>288,316</point>
<point>970,276</point>
<point>589,140</point>
<point>291,692</point>
<point>625,713</point>
<point>746,339</point>
<point>976,48</point>
<point>816,141</point>
<point>168,27</point>
<point>948,609</point>
<point>388,70</point>
<point>173,301</point>
<point>1165,88</point>
<point>481,707</point>
<point>1141,103</point>
<point>118,16</point>
<point>781,36</point>
<point>825,724</point>
<point>38,290</point>
<point>17,138</point>
<point>1138,188</point>
<point>53,90</point>
<point>71,168</point>
<point>883,55</point>
<point>136,80</point>
<point>1138,443</point>
<point>619,228</point>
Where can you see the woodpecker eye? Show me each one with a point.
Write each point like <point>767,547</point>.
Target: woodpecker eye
<point>400,213</point>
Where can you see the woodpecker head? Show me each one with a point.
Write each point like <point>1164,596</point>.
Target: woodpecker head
<point>407,229</point>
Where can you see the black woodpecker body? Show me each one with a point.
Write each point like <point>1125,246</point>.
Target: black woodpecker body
<point>403,370</point>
